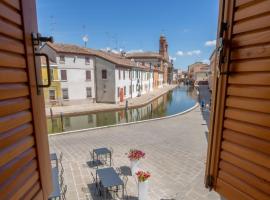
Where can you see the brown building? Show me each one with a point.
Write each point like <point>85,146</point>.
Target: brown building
<point>198,72</point>
<point>158,60</point>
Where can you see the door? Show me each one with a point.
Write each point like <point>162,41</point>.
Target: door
<point>25,171</point>
<point>238,163</point>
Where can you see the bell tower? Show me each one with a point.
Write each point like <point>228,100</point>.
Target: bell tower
<point>163,47</point>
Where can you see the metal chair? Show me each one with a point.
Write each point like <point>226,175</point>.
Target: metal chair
<point>97,188</point>
<point>64,191</point>
<point>61,182</point>
<point>60,158</point>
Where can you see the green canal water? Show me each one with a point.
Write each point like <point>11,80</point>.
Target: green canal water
<point>173,102</point>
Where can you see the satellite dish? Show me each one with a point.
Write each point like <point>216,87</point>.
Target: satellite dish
<point>85,39</point>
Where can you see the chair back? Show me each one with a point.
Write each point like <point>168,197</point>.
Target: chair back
<point>64,191</point>
<point>93,177</point>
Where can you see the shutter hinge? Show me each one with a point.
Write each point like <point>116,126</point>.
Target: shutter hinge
<point>209,182</point>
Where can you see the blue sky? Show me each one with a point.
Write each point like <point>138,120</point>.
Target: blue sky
<point>134,25</point>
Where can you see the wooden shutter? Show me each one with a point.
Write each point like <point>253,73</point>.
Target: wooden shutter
<point>25,171</point>
<point>64,75</point>
<point>238,165</point>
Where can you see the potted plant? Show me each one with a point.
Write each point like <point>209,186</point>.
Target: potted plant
<point>143,184</point>
<point>134,156</point>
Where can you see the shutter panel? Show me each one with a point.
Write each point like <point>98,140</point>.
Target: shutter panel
<point>24,154</point>
<point>238,163</point>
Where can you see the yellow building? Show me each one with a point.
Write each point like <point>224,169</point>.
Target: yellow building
<point>52,94</point>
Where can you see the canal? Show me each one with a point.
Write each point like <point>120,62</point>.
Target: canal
<point>178,100</point>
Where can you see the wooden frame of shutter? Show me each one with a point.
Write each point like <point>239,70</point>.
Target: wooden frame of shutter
<point>37,101</point>
<point>238,160</point>
<point>218,97</point>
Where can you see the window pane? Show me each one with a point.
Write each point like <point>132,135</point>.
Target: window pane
<point>88,75</point>
<point>87,60</point>
<point>88,92</point>
<point>52,94</point>
<point>62,58</point>
<point>104,74</point>
<point>65,93</point>
<point>64,75</point>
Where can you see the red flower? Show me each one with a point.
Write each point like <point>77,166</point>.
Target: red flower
<point>135,154</point>
<point>143,176</point>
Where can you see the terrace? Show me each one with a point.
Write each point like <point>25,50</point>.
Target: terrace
<point>175,156</point>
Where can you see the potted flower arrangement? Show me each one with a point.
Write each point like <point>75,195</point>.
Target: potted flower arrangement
<point>134,156</point>
<point>143,184</point>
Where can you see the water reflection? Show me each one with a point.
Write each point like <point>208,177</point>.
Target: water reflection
<point>178,100</point>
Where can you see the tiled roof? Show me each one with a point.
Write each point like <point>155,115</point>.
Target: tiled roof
<point>43,61</point>
<point>117,59</point>
<point>144,55</point>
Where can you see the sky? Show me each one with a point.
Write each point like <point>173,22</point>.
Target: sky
<point>190,26</point>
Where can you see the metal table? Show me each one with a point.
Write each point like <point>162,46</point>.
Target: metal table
<point>109,178</point>
<point>102,151</point>
<point>56,186</point>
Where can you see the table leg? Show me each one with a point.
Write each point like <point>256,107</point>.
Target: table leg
<point>110,159</point>
<point>105,193</point>
<point>123,194</point>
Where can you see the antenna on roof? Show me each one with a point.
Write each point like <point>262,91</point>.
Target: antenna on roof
<point>85,39</point>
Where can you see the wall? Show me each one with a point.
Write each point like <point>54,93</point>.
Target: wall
<point>76,78</point>
<point>121,82</point>
<point>105,89</point>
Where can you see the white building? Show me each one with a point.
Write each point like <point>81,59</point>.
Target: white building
<point>76,72</point>
<point>119,78</point>
<point>98,76</point>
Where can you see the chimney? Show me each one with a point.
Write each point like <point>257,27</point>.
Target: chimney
<point>163,47</point>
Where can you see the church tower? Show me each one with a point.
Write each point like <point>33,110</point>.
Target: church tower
<point>163,47</point>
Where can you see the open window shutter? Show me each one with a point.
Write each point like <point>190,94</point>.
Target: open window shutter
<point>24,154</point>
<point>238,163</point>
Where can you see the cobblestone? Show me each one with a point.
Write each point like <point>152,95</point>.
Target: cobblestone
<point>175,155</point>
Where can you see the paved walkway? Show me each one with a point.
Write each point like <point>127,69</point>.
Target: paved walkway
<point>175,155</point>
<point>98,107</point>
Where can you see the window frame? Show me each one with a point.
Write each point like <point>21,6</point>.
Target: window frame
<point>63,70</point>
<point>88,88</point>
<point>106,74</point>
<point>86,75</point>
<point>65,89</point>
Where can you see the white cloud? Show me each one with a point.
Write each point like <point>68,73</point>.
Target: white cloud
<point>210,43</point>
<point>172,58</point>
<point>135,51</point>
<point>207,61</point>
<point>180,53</point>
<point>194,52</point>
<point>188,53</point>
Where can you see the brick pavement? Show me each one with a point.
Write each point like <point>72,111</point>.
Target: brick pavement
<point>175,155</point>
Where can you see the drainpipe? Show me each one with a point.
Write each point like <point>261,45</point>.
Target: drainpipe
<point>95,78</point>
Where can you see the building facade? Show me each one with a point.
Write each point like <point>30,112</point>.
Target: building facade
<point>75,69</point>
<point>198,71</point>
<point>158,61</point>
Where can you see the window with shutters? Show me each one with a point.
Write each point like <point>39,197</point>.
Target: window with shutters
<point>88,75</point>
<point>124,74</point>
<point>104,74</point>
<point>65,93</point>
<point>52,94</point>
<point>88,92</point>
<point>62,59</point>
<point>119,74</point>
<point>63,74</point>
<point>87,60</point>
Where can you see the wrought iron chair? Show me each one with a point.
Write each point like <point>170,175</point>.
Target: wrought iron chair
<point>60,158</point>
<point>64,191</point>
<point>97,184</point>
